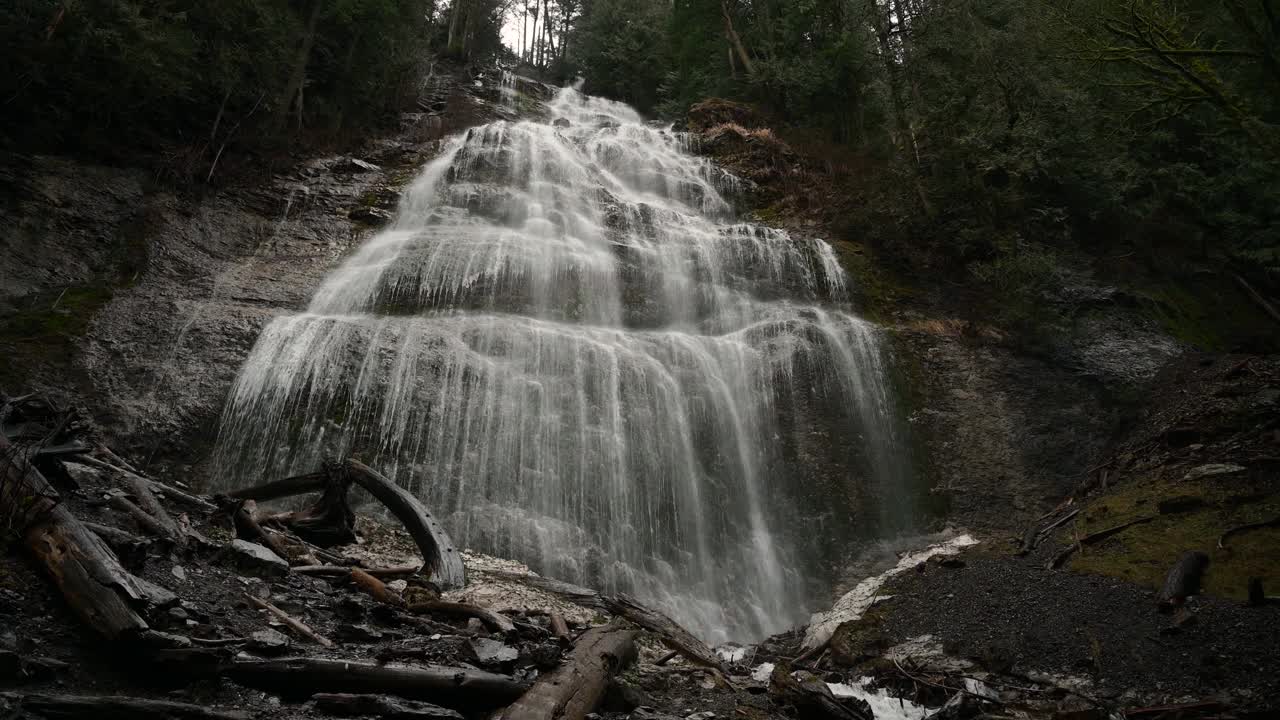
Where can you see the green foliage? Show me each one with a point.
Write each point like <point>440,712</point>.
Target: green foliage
<point>97,74</point>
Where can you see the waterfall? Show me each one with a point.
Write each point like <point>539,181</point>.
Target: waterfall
<point>572,351</point>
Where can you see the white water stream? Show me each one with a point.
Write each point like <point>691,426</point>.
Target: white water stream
<point>568,347</point>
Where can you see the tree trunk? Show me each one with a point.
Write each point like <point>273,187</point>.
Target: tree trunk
<point>66,707</point>
<point>576,687</point>
<point>298,75</point>
<point>85,570</point>
<point>735,41</point>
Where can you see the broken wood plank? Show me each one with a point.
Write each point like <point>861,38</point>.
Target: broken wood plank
<point>346,705</point>
<point>1183,579</point>
<point>574,689</point>
<point>494,620</point>
<point>114,707</point>
<point>288,487</point>
<point>454,687</point>
<point>1057,560</point>
<point>89,576</point>
<point>295,624</point>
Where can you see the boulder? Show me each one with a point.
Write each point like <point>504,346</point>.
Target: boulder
<point>254,559</point>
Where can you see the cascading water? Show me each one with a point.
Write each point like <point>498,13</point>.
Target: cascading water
<point>571,351</point>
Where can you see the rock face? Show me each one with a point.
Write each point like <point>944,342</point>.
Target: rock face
<point>146,301</point>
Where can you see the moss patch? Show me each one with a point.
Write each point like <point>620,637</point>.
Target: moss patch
<point>1144,553</point>
<point>1208,312</point>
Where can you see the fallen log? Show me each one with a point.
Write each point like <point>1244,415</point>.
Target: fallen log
<point>113,707</point>
<point>441,560</point>
<point>145,520</point>
<point>574,689</point>
<point>1183,579</point>
<point>345,705</point>
<point>671,633</point>
<point>559,627</point>
<point>494,620</point>
<point>338,570</point>
<point>812,698</point>
<point>101,592</point>
<point>454,687</point>
<point>294,624</point>
<point>1056,561</point>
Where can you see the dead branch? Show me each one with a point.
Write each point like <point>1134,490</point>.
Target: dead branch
<point>1222,540</point>
<point>376,588</point>
<point>1090,539</point>
<point>296,625</point>
<point>494,620</point>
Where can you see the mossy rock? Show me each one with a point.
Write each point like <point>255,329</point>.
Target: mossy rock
<point>1195,514</point>
<point>859,641</point>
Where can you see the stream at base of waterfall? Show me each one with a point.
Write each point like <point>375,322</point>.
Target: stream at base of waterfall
<point>573,351</point>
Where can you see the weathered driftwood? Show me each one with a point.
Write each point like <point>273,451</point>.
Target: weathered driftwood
<point>454,687</point>
<point>294,624</point>
<point>85,570</point>
<point>140,488</point>
<point>441,560</point>
<point>337,570</point>
<point>345,705</point>
<point>165,489</point>
<point>812,698</point>
<point>329,521</point>
<point>1056,561</point>
<point>248,528</point>
<point>492,619</point>
<point>113,707</point>
<point>671,633</point>
<point>574,689</point>
<point>1183,579</point>
<point>145,520</point>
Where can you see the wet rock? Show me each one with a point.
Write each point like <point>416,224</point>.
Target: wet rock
<point>345,705</point>
<point>179,572</point>
<point>544,656</point>
<point>492,652</point>
<point>269,642</point>
<point>255,559</point>
<point>561,123</point>
<point>371,216</point>
<point>648,713</point>
<point>354,165</point>
<point>1212,470</point>
<point>622,696</point>
<point>359,634</point>
<point>705,715</point>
